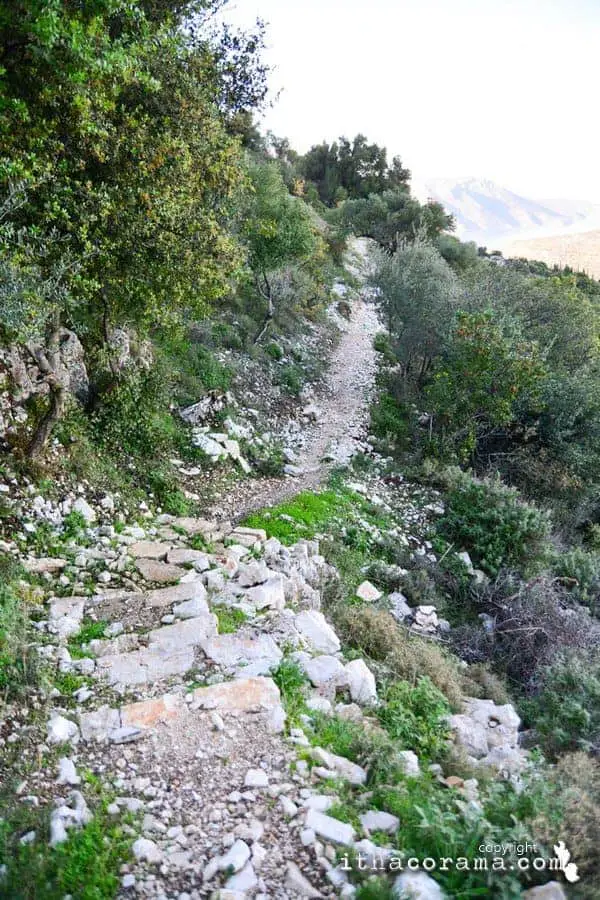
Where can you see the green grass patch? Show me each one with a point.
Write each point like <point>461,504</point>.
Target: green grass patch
<point>414,714</point>
<point>293,685</point>
<point>85,867</point>
<point>230,620</point>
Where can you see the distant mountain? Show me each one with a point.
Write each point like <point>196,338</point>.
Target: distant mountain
<point>484,211</point>
<point>580,250</point>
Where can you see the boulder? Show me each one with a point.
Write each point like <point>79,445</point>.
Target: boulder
<point>159,572</point>
<point>416,886</point>
<point>368,592</point>
<point>329,828</point>
<point>314,628</point>
<point>377,820</point>
<point>552,890</point>
<point>324,672</point>
<point>361,682</point>
<point>252,655</point>
<point>268,595</point>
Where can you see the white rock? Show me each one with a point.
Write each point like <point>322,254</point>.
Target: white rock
<point>361,682</point>
<point>298,884</point>
<point>313,626</point>
<point>147,851</point>
<point>83,507</point>
<point>236,857</point>
<point>409,763</point>
<point>252,573</point>
<point>244,880</point>
<point>256,778</point>
<point>377,820</point>
<point>466,561</point>
<point>552,890</point>
<point>329,828</point>
<point>368,592</point>
<point>66,772</point>
<point>417,886</point>
<point>323,671</point>
<point>61,730</point>
<point>268,595</point>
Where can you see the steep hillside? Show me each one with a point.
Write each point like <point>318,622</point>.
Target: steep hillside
<point>580,251</point>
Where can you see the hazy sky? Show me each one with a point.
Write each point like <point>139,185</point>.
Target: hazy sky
<point>502,89</point>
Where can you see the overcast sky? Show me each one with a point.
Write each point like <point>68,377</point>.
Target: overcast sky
<point>501,89</point>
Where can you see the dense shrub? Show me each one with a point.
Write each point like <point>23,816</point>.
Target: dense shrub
<point>531,624</point>
<point>575,786</point>
<point>413,657</point>
<point>490,520</point>
<point>414,714</point>
<point>566,710</point>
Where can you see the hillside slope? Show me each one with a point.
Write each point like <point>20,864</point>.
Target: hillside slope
<point>580,251</point>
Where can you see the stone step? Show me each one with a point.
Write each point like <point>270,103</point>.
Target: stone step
<point>243,696</point>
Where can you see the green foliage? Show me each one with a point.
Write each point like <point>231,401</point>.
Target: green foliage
<point>90,630</point>
<point>20,667</point>
<point>293,686</point>
<point>494,525</point>
<point>351,169</point>
<point>278,228</point>
<point>482,380</point>
<point>391,217</point>
<point>418,293</point>
<point>433,824</point>
<point>581,569</point>
<point>566,710</point>
<point>393,421</point>
<point>85,866</point>
<point>230,620</point>
<point>414,714</point>
<point>73,524</point>
<point>291,378</point>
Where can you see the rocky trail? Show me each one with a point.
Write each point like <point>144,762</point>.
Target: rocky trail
<point>338,422</point>
<point>167,639</point>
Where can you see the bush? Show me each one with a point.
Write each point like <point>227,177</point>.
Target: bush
<point>575,787</point>
<point>490,520</point>
<point>582,571</point>
<point>414,715</point>
<point>291,378</point>
<point>532,625</point>
<point>566,710</point>
<point>413,658</point>
<point>372,631</point>
<point>20,666</point>
<point>393,421</point>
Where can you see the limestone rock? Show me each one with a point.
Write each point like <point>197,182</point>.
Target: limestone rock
<point>312,625</point>
<point>254,655</point>
<point>62,730</point>
<point>268,595</point>
<point>83,508</point>
<point>368,592</point>
<point>552,890</point>
<point>329,828</point>
<point>146,850</point>
<point>409,763</point>
<point>149,550</point>
<point>361,682</point>
<point>376,820</point>
<point>417,886</point>
<point>298,884</point>
<point>45,564</point>
<point>323,671</point>
<point>152,570</point>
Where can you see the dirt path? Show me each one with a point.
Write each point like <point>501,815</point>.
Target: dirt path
<point>344,409</point>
